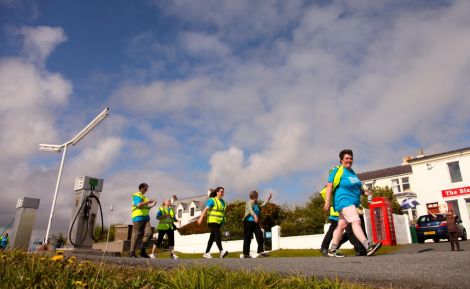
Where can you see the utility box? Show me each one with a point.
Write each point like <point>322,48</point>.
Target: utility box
<point>381,217</point>
<point>24,221</point>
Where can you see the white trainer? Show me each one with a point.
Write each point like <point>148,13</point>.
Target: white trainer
<point>174,257</point>
<point>153,256</point>
<point>255,255</point>
<point>207,255</point>
<point>223,253</point>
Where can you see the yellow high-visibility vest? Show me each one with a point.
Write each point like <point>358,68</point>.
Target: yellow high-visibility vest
<point>166,223</point>
<point>217,212</point>
<point>336,181</point>
<point>142,211</point>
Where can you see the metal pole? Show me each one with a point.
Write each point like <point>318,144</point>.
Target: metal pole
<point>46,241</point>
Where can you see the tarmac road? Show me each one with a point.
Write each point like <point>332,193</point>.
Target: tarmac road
<point>428,265</point>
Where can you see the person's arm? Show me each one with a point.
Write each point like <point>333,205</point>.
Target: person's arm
<point>160,215</point>
<point>329,187</point>
<point>149,203</point>
<point>267,200</point>
<point>199,221</point>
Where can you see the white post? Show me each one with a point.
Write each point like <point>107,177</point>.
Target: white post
<point>46,241</point>
<point>275,238</point>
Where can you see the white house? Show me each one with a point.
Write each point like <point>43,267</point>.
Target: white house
<point>188,210</point>
<point>438,182</point>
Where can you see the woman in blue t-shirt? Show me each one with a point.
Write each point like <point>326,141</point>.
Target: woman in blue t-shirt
<point>347,197</point>
<point>251,225</point>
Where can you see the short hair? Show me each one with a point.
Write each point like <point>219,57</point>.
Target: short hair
<point>143,185</point>
<point>253,194</point>
<point>345,152</point>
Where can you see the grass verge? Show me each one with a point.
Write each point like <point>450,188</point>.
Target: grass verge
<point>21,270</point>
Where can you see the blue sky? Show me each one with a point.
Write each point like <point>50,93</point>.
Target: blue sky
<point>244,94</point>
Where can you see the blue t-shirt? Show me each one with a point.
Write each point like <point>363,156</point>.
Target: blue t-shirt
<point>137,200</point>
<point>348,191</point>
<point>257,212</point>
<point>210,203</point>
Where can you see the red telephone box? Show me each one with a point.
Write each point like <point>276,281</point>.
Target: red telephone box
<point>381,217</point>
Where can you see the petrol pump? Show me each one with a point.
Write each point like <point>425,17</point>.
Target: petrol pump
<point>86,203</point>
<point>381,217</point>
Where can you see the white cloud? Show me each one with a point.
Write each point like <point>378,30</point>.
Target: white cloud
<point>204,44</point>
<point>376,78</point>
<point>39,42</point>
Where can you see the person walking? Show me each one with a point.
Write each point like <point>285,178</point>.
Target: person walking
<point>215,219</point>
<point>346,199</point>
<point>452,229</point>
<point>4,241</point>
<point>166,217</point>
<point>141,229</point>
<point>251,225</point>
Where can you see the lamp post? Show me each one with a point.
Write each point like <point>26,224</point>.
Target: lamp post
<point>63,148</point>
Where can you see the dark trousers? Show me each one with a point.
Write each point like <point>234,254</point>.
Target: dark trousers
<point>140,231</point>
<point>329,236</point>
<point>171,237</point>
<point>249,228</point>
<point>215,235</point>
<point>358,247</point>
<point>348,236</point>
<point>454,239</point>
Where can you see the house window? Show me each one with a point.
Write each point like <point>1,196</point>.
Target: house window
<point>192,212</point>
<point>396,186</point>
<point>180,213</point>
<point>405,183</point>
<point>454,171</point>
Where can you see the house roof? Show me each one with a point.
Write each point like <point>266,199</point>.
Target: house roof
<point>462,150</point>
<point>383,173</point>
<point>199,201</point>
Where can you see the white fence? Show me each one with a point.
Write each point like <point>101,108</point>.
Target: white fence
<point>197,243</point>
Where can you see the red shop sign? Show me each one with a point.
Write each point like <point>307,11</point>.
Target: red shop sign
<point>455,192</point>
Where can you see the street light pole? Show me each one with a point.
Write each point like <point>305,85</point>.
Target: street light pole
<point>58,148</point>
<point>55,193</point>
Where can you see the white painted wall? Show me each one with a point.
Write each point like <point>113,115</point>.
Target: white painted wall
<point>197,243</point>
<point>432,176</point>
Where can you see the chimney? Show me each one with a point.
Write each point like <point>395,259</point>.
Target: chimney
<point>173,199</point>
<point>420,153</point>
<point>406,159</point>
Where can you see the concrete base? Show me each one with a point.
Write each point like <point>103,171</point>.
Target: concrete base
<point>116,246</point>
<point>86,251</point>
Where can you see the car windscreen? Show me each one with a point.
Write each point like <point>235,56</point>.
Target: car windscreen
<point>430,218</point>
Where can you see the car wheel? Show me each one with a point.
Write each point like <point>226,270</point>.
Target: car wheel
<point>436,240</point>
<point>420,240</point>
<point>464,235</point>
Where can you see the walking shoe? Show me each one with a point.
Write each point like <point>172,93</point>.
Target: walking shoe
<point>373,248</point>
<point>264,254</point>
<point>255,255</point>
<point>174,257</point>
<point>335,253</point>
<point>207,255</point>
<point>242,256</point>
<point>324,252</point>
<point>223,253</point>
<point>153,256</point>
<point>143,254</point>
<point>132,255</point>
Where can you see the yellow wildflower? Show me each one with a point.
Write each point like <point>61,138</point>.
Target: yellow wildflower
<point>57,258</point>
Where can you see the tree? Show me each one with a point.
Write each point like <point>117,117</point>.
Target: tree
<point>386,193</point>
